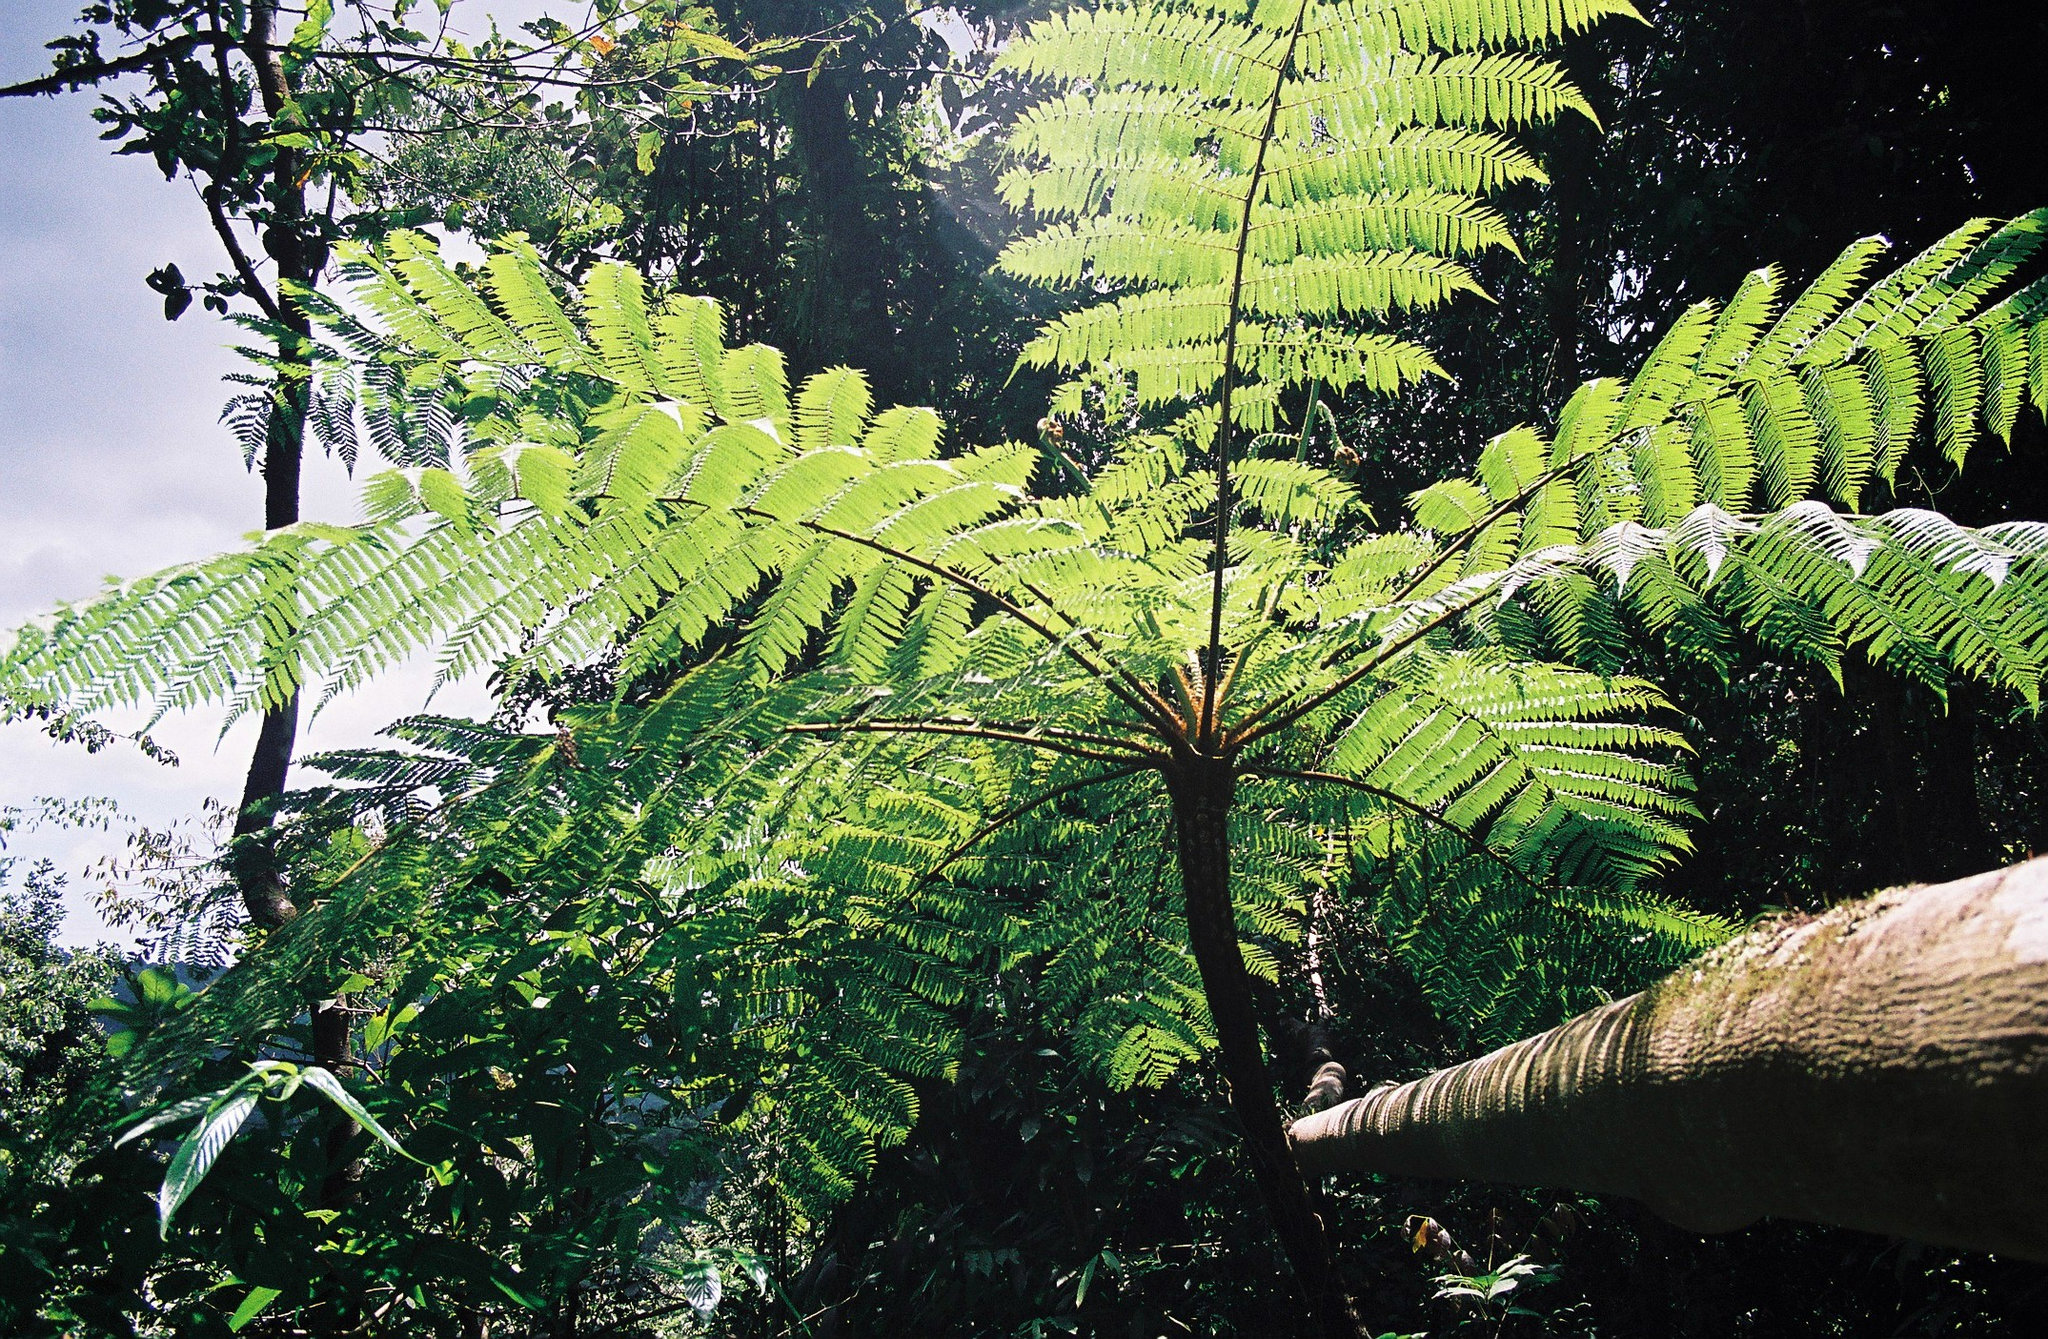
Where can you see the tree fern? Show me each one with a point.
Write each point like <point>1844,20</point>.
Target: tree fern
<point>649,523</point>
<point>655,521</point>
<point>909,692</point>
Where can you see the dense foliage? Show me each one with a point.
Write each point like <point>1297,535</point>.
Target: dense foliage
<point>902,804</point>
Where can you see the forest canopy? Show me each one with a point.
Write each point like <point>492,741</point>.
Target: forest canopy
<point>1046,574</point>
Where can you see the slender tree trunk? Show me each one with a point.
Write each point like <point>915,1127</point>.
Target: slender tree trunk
<point>255,864</point>
<point>1203,792</point>
<point>299,261</point>
<point>256,869</point>
<point>300,255</point>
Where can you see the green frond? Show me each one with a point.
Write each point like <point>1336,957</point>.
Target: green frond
<point>1382,26</point>
<point>1108,248</point>
<point>622,329</point>
<point>1146,46</point>
<point>1287,493</point>
<point>1910,589</point>
<point>1270,181</point>
<point>832,409</point>
<point>1441,223</point>
<point>1711,472</point>
<point>1547,770</point>
<point>657,519</point>
<point>1413,158</point>
<point>755,387</point>
<point>518,285</point>
<point>1499,961</point>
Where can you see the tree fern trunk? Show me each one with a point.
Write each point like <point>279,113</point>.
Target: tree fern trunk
<point>1203,792</point>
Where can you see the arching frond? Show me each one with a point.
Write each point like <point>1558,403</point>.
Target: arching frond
<point>1722,482</point>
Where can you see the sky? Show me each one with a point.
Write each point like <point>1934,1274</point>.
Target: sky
<point>112,458</point>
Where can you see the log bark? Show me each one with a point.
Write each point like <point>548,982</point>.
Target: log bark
<point>1883,1066</point>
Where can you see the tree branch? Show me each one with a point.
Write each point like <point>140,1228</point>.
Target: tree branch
<point>1463,541</point>
<point>78,76</point>
<point>1049,731</point>
<point>1105,675</point>
<point>1137,685</point>
<point>1247,734</point>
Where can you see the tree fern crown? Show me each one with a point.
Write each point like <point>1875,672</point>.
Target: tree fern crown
<point>927,680</point>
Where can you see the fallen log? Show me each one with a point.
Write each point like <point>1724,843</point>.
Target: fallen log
<point>1883,1066</point>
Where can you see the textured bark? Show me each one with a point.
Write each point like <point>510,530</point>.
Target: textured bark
<point>254,861</point>
<point>296,246</point>
<point>1884,1067</point>
<point>1202,795</point>
<point>299,258</point>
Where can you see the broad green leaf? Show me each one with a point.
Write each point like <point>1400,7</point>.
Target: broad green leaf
<point>325,1082</point>
<point>252,1306</point>
<point>201,1148</point>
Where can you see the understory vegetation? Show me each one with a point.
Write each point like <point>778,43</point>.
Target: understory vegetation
<point>1045,570</point>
